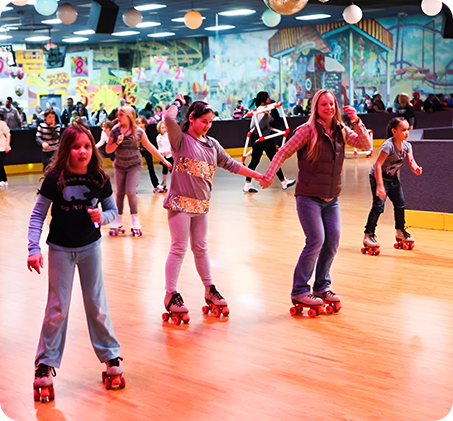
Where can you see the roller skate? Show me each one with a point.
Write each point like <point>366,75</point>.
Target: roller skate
<point>287,183</point>
<point>370,245</point>
<point>314,304</point>
<point>176,310</point>
<point>113,376</point>
<point>331,300</point>
<point>159,189</point>
<point>43,384</point>
<point>136,229</point>
<point>404,240</point>
<point>116,227</point>
<point>216,304</point>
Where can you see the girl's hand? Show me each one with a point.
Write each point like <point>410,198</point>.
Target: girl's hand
<point>380,192</point>
<point>168,165</point>
<point>45,146</point>
<point>7,148</point>
<point>95,215</point>
<point>36,262</point>
<point>119,139</point>
<point>351,113</point>
<point>257,176</point>
<point>264,183</point>
<point>418,170</point>
<point>181,98</point>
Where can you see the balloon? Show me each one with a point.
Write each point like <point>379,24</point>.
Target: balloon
<point>46,7</point>
<point>352,14</point>
<point>132,17</point>
<point>193,19</point>
<point>67,13</point>
<point>270,18</point>
<point>20,73</point>
<point>19,90</point>
<point>286,7</point>
<point>431,7</point>
<point>20,2</point>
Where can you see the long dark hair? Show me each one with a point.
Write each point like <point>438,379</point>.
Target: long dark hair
<point>393,124</point>
<point>196,110</point>
<point>261,97</point>
<point>61,159</point>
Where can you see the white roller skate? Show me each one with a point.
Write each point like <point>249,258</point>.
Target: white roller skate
<point>314,304</point>
<point>43,384</point>
<point>404,240</point>
<point>113,376</point>
<point>176,310</point>
<point>330,299</point>
<point>116,226</point>
<point>370,245</point>
<point>216,304</point>
<point>287,183</point>
<point>159,189</point>
<point>136,228</point>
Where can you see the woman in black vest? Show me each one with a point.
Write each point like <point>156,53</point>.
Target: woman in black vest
<point>320,145</point>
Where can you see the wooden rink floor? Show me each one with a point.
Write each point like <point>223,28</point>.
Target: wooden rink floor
<point>386,356</point>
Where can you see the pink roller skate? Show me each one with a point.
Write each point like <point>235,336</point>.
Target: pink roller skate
<point>176,310</point>
<point>116,227</point>
<point>370,245</point>
<point>331,300</point>
<point>43,384</point>
<point>113,376</point>
<point>136,229</point>
<point>216,304</point>
<point>311,302</point>
<point>404,240</point>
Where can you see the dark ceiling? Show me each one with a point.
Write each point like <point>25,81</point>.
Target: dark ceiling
<point>31,21</point>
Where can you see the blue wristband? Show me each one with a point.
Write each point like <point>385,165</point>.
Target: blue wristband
<point>178,103</point>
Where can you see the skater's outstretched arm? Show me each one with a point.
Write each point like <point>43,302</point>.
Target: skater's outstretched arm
<point>153,151</point>
<point>175,134</point>
<point>416,169</point>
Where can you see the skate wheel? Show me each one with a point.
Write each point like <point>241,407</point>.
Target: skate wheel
<point>116,381</point>
<point>329,309</point>
<point>216,312</point>
<point>411,247</point>
<point>108,383</point>
<point>396,245</point>
<point>176,320</point>
<point>36,396</point>
<point>363,250</point>
<point>370,251</point>
<point>293,311</point>
<point>312,313</point>
<point>337,307</point>
<point>225,311</point>
<point>123,383</point>
<point>185,318</point>
<point>165,317</point>
<point>406,246</point>
<point>320,310</point>
<point>377,251</point>
<point>205,309</point>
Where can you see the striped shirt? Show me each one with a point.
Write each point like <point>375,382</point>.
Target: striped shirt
<point>48,134</point>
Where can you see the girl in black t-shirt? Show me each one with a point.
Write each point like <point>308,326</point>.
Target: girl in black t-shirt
<point>74,184</point>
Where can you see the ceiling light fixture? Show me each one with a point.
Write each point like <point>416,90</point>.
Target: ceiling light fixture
<point>75,39</point>
<point>238,12</point>
<point>146,7</point>
<point>219,28</point>
<point>182,20</point>
<point>55,21</point>
<point>125,33</point>
<point>39,38</point>
<point>161,34</point>
<point>147,24</point>
<point>85,32</point>
<point>314,17</point>
<point>5,36</point>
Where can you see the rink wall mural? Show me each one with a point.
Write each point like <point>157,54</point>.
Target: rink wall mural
<point>389,56</point>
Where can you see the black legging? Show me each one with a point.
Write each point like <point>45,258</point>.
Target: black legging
<point>2,168</point>
<point>149,161</point>
<point>267,146</point>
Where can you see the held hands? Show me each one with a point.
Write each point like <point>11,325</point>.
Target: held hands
<point>36,262</point>
<point>351,113</point>
<point>95,215</point>
<point>168,164</point>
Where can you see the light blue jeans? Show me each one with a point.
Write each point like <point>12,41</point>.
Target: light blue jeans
<point>182,227</point>
<point>126,182</point>
<point>61,277</point>
<point>321,222</point>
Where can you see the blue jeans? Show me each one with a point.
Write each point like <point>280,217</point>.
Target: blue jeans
<point>126,182</point>
<point>61,276</point>
<point>321,222</point>
<point>394,192</point>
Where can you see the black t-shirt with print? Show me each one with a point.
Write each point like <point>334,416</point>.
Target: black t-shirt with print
<point>71,224</point>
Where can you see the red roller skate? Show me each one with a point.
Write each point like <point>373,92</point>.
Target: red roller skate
<point>370,245</point>
<point>314,305</point>
<point>216,304</point>
<point>43,390</point>
<point>113,376</point>
<point>176,310</point>
<point>331,300</point>
<point>404,240</point>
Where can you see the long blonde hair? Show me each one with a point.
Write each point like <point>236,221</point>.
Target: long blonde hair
<point>129,112</point>
<point>313,146</point>
<point>404,99</point>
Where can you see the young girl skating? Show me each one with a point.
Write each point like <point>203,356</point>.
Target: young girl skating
<point>320,145</point>
<point>74,184</point>
<point>165,149</point>
<point>124,140</point>
<point>196,158</point>
<point>385,183</point>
